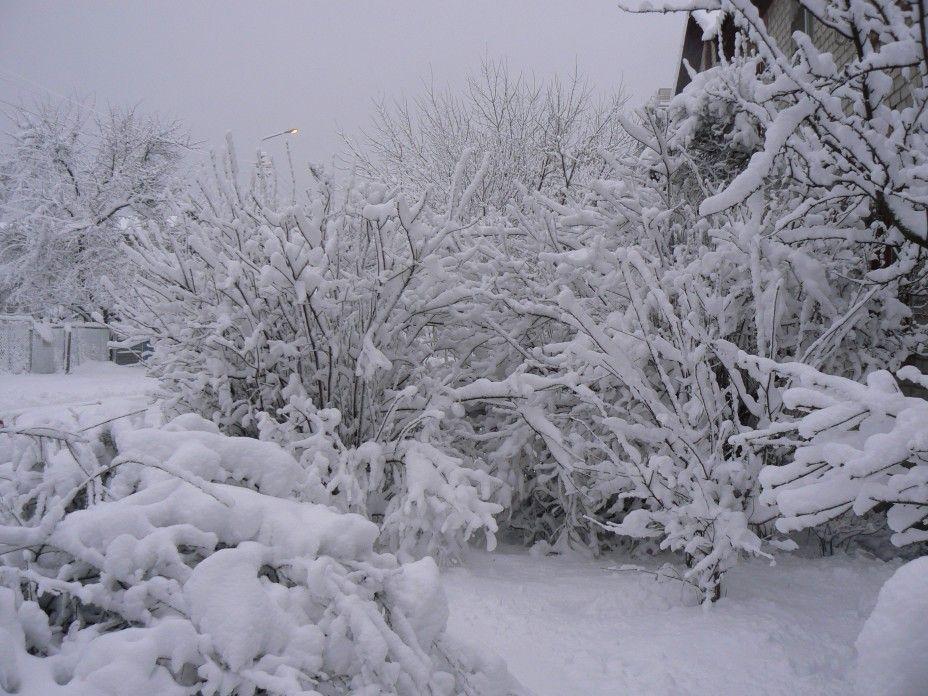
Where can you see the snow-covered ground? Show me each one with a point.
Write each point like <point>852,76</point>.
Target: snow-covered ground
<point>92,381</point>
<point>570,625</point>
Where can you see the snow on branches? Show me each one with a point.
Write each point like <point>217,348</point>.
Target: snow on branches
<point>186,572</point>
<point>844,108</point>
<point>433,362</point>
<point>525,134</point>
<point>853,447</point>
<point>69,178</point>
<point>322,325</point>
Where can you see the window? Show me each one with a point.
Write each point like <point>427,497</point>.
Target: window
<point>803,20</point>
<point>807,19</point>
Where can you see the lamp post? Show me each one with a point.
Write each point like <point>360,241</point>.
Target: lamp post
<point>291,131</point>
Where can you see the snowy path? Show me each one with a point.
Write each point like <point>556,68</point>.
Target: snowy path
<point>567,626</point>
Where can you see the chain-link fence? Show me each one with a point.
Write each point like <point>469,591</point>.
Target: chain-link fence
<point>30,346</point>
<point>15,344</point>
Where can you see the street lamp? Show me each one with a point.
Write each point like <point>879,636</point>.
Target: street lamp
<point>291,131</point>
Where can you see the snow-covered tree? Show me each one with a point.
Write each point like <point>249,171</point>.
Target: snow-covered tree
<point>851,127</point>
<point>71,177</point>
<point>537,135</point>
<point>325,325</point>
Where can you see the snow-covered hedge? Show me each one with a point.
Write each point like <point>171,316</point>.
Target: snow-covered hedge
<point>183,561</point>
<point>573,360</point>
<point>610,403</point>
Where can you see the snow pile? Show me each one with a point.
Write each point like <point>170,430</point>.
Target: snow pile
<point>181,562</point>
<point>892,646</point>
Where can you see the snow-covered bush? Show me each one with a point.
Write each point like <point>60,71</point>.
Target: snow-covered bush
<point>838,198</point>
<point>193,569</point>
<point>854,139</point>
<point>894,640</point>
<point>442,504</point>
<point>326,325</point>
<point>842,114</point>
<point>634,415</point>
<point>854,447</point>
<point>574,350</point>
<point>603,321</point>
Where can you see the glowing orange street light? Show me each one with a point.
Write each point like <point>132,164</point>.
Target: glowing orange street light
<point>292,131</point>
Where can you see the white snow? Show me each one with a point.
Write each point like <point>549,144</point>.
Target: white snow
<point>219,586</point>
<point>263,464</point>
<point>710,21</point>
<point>566,625</point>
<point>89,382</point>
<point>893,644</point>
<point>562,624</point>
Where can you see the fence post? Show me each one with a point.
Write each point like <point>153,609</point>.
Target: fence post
<point>67,349</point>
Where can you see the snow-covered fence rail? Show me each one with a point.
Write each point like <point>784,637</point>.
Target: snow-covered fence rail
<point>30,346</point>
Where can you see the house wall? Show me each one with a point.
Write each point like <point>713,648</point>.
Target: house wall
<point>779,20</point>
<point>782,19</point>
<point>827,39</point>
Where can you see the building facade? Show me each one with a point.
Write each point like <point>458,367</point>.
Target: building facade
<point>782,17</point>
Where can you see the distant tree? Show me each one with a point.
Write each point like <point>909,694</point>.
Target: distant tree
<point>69,178</point>
<point>545,136</point>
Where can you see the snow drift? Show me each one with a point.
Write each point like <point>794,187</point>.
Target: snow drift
<point>892,644</point>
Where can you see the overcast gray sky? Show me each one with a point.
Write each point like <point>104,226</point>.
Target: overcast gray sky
<point>259,67</point>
